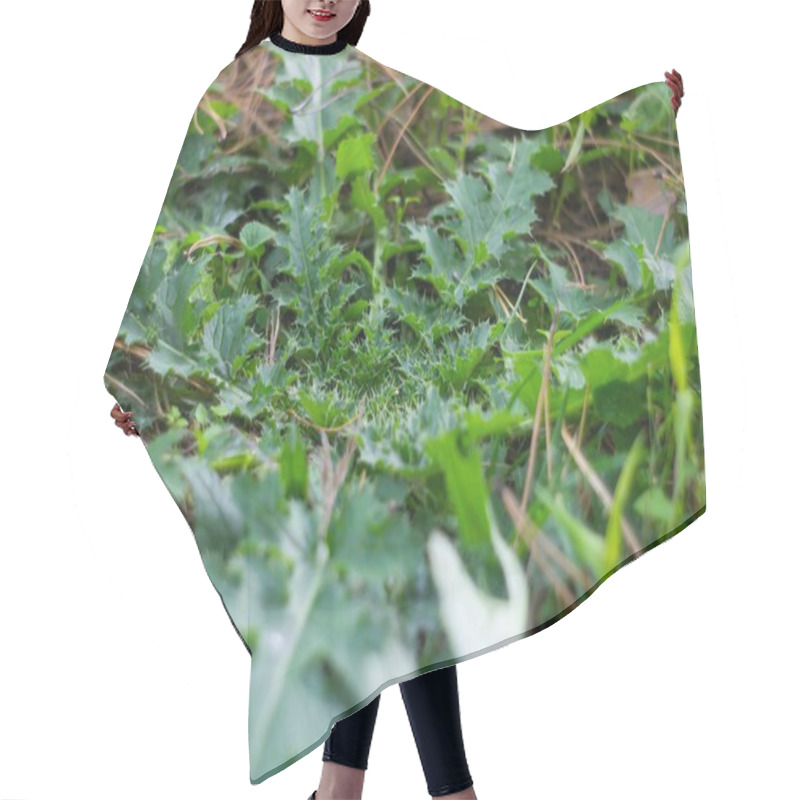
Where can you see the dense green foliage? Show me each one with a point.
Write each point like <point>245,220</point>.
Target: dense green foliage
<point>390,319</point>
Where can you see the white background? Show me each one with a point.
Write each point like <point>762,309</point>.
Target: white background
<point>120,674</point>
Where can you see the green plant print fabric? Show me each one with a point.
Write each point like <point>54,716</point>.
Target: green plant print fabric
<point>419,381</point>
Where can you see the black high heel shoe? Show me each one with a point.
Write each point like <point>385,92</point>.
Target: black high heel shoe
<point>313,795</point>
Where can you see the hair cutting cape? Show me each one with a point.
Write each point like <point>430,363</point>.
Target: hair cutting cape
<point>419,381</point>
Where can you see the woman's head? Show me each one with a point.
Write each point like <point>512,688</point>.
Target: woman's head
<point>306,21</point>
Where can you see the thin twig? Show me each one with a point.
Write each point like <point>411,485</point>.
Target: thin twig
<point>273,338</point>
<point>122,387</point>
<point>538,416</point>
<point>524,525</point>
<point>639,146</point>
<point>401,135</point>
<point>599,487</point>
<point>667,215</point>
<point>332,479</point>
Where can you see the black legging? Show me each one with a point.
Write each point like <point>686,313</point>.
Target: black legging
<point>431,701</point>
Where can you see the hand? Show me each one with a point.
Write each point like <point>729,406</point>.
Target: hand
<point>124,420</point>
<point>675,82</point>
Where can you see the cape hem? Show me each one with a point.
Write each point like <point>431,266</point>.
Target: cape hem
<point>503,643</point>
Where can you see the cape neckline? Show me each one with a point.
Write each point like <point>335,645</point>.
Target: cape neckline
<point>310,49</point>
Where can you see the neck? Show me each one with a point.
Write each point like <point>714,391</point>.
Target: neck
<point>336,46</point>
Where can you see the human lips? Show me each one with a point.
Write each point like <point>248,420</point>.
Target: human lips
<point>319,14</point>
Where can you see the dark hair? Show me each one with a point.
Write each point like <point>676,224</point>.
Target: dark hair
<point>266,18</point>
